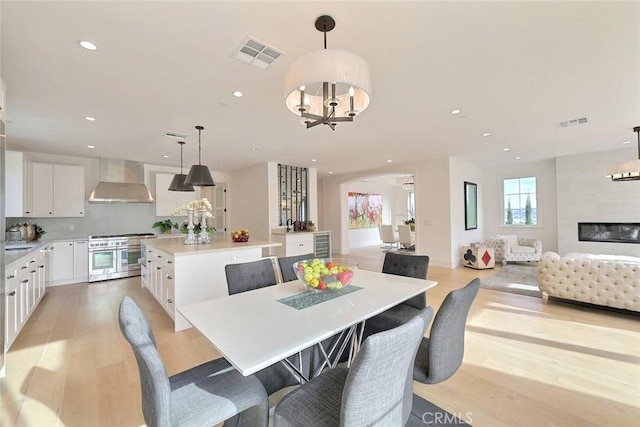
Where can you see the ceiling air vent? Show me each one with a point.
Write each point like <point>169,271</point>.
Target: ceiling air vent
<point>176,135</point>
<point>256,53</point>
<point>573,122</point>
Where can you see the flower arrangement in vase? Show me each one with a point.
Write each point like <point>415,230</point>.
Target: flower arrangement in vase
<point>202,210</point>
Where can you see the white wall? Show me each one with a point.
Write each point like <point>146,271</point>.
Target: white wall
<point>545,173</point>
<point>459,172</point>
<point>433,222</point>
<point>248,202</point>
<point>585,195</point>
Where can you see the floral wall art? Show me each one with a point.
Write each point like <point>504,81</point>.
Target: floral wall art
<point>365,210</point>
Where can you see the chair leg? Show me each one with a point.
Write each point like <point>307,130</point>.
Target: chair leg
<point>257,415</point>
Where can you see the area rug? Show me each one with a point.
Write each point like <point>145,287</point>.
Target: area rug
<point>515,278</point>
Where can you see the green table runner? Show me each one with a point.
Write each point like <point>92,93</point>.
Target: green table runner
<point>308,299</point>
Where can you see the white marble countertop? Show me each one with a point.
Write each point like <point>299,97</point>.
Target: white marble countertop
<point>14,255</point>
<point>176,247</point>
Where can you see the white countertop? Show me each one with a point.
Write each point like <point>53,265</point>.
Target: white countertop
<point>15,255</point>
<point>284,231</point>
<point>176,247</point>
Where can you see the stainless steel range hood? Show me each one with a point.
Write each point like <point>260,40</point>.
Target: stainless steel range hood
<point>121,181</point>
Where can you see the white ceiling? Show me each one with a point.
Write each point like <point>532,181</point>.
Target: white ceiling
<point>515,69</point>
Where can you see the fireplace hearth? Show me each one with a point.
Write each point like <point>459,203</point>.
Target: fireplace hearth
<point>613,232</point>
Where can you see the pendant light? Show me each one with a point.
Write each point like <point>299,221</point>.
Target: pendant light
<point>629,171</point>
<point>177,183</point>
<point>199,175</point>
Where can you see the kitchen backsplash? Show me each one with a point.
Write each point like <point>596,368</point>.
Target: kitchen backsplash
<point>101,218</point>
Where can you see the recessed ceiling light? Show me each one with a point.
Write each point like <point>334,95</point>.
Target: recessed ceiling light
<point>518,158</point>
<point>238,94</point>
<point>91,146</point>
<point>165,156</point>
<point>389,161</point>
<point>456,111</point>
<point>330,172</point>
<point>486,134</point>
<point>254,148</point>
<point>627,142</point>
<point>91,119</point>
<point>314,160</point>
<point>506,149</point>
<point>88,45</point>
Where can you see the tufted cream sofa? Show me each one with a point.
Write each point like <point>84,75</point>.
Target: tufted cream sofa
<point>508,247</point>
<point>609,280</point>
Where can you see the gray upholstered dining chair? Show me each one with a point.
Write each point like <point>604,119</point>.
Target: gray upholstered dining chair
<point>440,355</point>
<point>201,396</point>
<point>247,276</point>
<point>286,266</point>
<point>376,390</point>
<point>402,265</point>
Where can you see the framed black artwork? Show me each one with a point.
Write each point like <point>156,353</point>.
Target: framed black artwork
<point>470,206</point>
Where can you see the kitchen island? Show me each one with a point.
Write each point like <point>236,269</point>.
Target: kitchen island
<point>178,274</point>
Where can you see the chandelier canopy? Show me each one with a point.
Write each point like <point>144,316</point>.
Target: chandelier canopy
<point>628,171</point>
<point>327,86</point>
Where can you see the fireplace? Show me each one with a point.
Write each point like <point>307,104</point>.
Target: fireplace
<point>614,232</point>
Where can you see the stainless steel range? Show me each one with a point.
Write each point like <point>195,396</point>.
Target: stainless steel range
<point>113,256</point>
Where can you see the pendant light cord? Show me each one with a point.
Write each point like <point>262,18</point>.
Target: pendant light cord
<point>181,146</point>
<point>199,145</point>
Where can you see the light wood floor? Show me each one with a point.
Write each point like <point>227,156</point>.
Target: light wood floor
<point>528,362</point>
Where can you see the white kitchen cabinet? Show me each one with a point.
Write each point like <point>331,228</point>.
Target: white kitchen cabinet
<point>24,291</point>
<point>301,243</point>
<point>13,302</point>
<point>81,260</point>
<point>54,190</point>
<point>62,263</point>
<point>167,201</point>
<point>14,184</point>
<point>69,262</point>
<point>160,279</point>
<point>3,101</point>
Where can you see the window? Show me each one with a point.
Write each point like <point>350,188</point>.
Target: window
<point>411,204</point>
<point>520,201</point>
<point>292,189</point>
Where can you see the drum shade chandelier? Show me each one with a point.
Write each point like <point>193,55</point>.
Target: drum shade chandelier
<point>199,175</point>
<point>327,86</point>
<point>177,183</point>
<point>628,171</point>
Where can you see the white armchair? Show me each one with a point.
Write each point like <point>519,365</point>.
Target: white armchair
<point>513,248</point>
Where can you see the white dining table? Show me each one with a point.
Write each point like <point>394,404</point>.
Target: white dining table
<point>253,330</point>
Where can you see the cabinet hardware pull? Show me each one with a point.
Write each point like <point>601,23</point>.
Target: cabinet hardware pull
<point>25,281</point>
<point>41,266</point>
<point>169,277</point>
<point>158,268</point>
<point>12,293</point>
<point>32,261</point>
<point>23,267</point>
<point>159,256</point>
<point>170,301</point>
<point>169,261</point>
<point>32,271</point>
<point>11,276</point>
